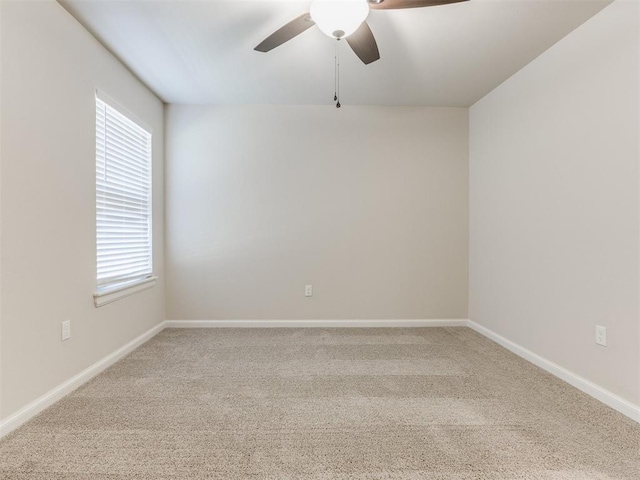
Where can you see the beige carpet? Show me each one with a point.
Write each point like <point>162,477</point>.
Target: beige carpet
<point>432,403</point>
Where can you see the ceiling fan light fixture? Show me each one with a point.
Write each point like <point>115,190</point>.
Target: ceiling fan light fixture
<point>339,18</point>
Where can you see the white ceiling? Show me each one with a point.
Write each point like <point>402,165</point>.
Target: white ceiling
<point>202,51</point>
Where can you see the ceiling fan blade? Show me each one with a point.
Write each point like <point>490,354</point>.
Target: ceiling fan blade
<point>393,4</point>
<point>364,45</point>
<point>284,34</point>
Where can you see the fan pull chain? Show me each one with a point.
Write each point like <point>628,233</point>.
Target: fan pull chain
<point>335,74</point>
<point>336,95</point>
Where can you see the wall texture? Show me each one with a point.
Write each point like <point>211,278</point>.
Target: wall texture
<point>51,67</point>
<point>554,203</point>
<point>367,204</point>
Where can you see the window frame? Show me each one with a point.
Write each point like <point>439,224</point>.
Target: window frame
<point>109,292</point>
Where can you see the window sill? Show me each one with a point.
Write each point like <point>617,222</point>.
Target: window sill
<point>112,293</point>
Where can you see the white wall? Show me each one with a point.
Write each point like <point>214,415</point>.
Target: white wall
<point>51,67</point>
<point>368,204</point>
<point>554,203</point>
<point>1,120</point>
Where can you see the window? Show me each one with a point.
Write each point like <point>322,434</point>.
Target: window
<point>123,204</point>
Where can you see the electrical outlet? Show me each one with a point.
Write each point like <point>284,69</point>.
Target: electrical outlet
<point>308,290</point>
<point>601,335</point>
<point>66,330</point>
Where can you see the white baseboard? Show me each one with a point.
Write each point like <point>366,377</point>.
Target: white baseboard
<point>32,409</point>
<point>314,323</point>
<point>608,398</point>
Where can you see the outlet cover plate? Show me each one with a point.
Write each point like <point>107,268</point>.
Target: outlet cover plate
<point>66,330</point>
<point>601,335</point>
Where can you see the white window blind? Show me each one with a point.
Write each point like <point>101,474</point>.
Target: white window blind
<point>123,197</point>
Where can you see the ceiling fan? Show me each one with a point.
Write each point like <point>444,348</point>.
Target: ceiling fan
<point>343,19</point>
